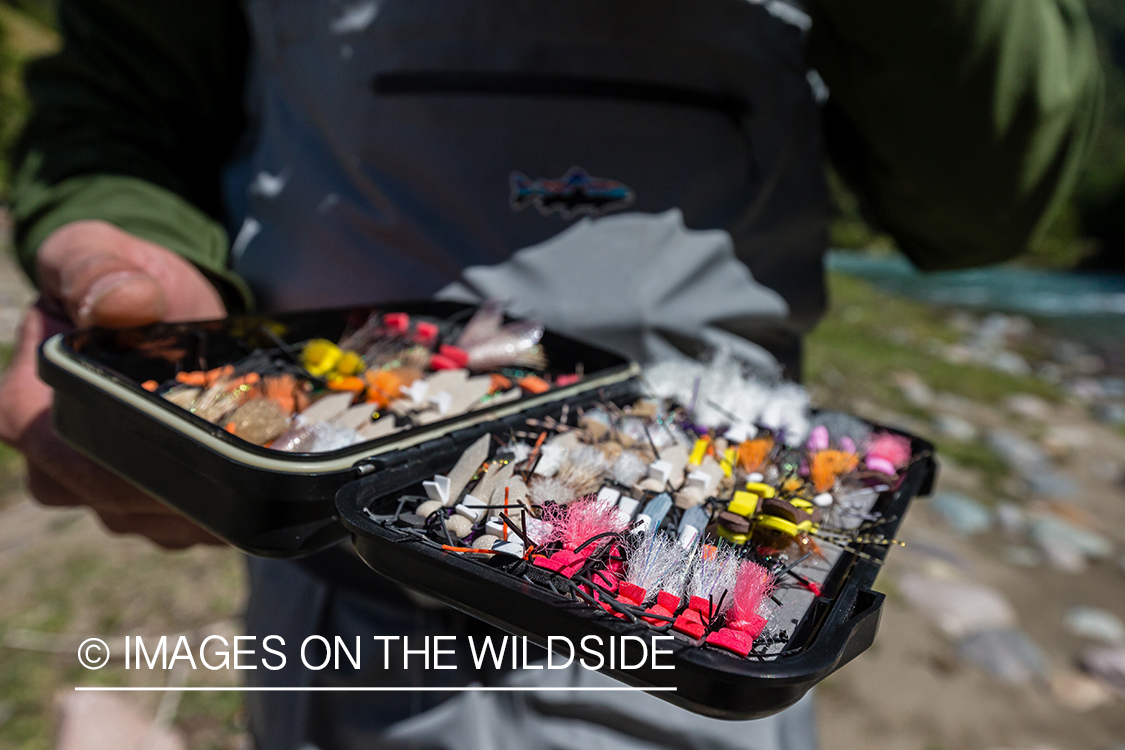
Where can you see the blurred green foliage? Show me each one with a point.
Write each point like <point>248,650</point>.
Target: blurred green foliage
<point>1105,172</point>
<point>1100,198</point>
<point>26,31</point>
<point>1090,228</point>
<point>849,230</point>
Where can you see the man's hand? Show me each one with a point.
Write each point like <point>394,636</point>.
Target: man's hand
<point>91,273</point>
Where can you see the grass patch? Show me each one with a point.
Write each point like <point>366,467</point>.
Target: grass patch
<point>977,456</point>
<point>11,462</point>
<point>870,335</point>
<point>212,720</point>
<point>11,470</point>
<point>74,580</point>
<point>26,678</point>
<point>24,34</point>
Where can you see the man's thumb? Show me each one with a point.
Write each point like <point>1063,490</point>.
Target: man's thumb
<point>104,289</point>
<point>99,276</point>
<point>119,298</point>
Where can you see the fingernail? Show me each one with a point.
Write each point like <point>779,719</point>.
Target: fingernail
<point>100,288</point>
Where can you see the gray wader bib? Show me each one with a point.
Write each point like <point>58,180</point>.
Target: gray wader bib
<point>646,174</point>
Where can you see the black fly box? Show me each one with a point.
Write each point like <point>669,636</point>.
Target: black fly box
<point>819,613</point>
<point>260,499</point>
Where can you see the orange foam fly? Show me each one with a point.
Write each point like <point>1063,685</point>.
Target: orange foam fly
<point>825,467</point>
<point>384,386</point>
<point>286,392</point>
<point>753,454</point>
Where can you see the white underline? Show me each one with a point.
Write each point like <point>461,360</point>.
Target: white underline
<point>482,689</point>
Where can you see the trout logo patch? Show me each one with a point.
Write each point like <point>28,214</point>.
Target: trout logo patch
<point>573,194</point>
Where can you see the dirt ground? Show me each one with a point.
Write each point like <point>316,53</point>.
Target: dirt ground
<point>62,577</point>
<point>911,691</point>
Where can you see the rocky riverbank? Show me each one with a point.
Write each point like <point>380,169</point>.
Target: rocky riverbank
<point>1003,624</point>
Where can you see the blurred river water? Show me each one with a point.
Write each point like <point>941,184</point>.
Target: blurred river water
<point>1087,307</point>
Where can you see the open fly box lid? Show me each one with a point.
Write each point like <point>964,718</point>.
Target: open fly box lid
<point>823,631</point>
<point>264,501</point>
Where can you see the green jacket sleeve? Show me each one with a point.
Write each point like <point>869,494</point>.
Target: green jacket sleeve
<point>961,123</point>
<point>131,123</point>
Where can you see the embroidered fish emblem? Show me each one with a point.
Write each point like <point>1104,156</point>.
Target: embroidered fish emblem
<point>575,193</point>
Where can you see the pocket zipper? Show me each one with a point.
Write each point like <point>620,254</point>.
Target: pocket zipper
<point>549,85</point>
